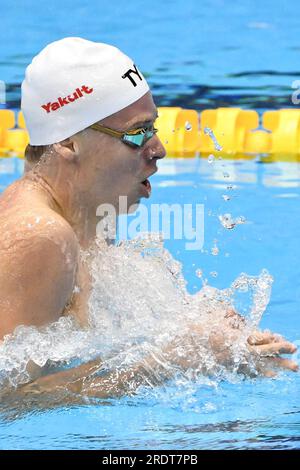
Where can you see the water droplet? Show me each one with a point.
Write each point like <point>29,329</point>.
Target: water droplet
<point>208,131</point>
<point>240,220</point>
<point>229,223</point>
<point>199,273</point>
<point>215,250</point>
<point>188,126</point>
<point>211,158</point>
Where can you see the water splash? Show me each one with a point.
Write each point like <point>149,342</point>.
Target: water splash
<point>259,288</point>
<point>208,131</point>
<point>139,305</point>
<point>229,222</point>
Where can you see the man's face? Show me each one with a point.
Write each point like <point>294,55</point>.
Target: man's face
<point>111,168</point>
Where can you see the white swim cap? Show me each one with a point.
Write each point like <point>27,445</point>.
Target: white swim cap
<point>73,83</point>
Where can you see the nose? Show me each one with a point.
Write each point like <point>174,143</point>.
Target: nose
<point>155,149</point>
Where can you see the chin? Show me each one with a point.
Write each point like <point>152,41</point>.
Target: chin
<point>128,205</point>
<point>133,207</point>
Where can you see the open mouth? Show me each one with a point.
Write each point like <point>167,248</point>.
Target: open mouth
<point>147,185</point>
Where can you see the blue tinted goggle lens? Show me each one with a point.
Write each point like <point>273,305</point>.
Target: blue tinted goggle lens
<point>138,140</point>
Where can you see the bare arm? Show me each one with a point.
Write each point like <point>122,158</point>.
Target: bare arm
<point>155,369</point>
<point>37,270</point>
<point>86,381</point>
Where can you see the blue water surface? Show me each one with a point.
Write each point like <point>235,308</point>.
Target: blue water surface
<point>195,55</point>
<point>260,413</point>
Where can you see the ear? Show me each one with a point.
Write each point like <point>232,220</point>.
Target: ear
<point>68,149</point>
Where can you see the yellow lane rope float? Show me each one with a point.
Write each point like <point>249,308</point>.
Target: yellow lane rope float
<point>227,132</point>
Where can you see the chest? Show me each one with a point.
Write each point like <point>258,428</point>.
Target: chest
<point>78,304</point>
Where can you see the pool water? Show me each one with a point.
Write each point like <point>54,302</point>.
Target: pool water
<point>193,56</point>
<point>247,55</point>
<point>216,414</point>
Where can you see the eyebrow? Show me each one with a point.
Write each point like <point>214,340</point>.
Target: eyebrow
<point>142,123</point>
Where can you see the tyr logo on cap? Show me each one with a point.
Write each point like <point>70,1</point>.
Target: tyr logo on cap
<point>62,101</point>
<point>129,72</point>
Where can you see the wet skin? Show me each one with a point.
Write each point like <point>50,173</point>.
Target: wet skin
<point>47,216</point>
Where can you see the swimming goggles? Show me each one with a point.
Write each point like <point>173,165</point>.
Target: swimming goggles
<point>134,138</point>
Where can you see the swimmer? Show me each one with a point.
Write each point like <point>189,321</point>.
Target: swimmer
<point>91,121</point>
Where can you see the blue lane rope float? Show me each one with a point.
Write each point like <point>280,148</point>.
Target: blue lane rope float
<point>229,132</point>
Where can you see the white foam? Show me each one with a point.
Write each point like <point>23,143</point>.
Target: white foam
<point>139,304</point>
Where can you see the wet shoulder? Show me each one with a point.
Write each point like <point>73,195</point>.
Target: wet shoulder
<point>38,265</point>
<point>33,224</point>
